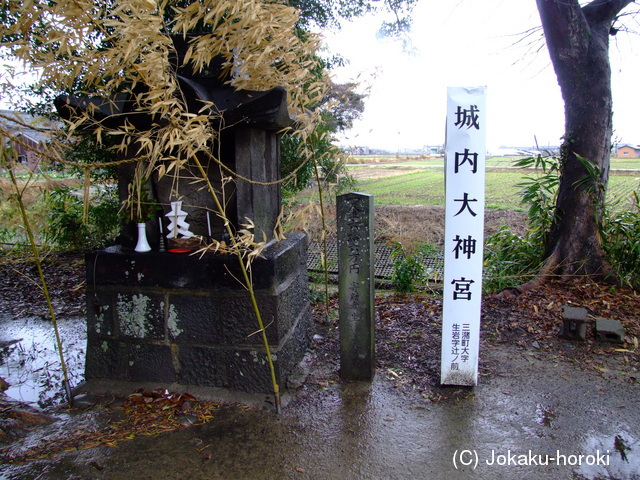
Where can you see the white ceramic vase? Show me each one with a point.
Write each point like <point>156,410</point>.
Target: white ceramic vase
<point>143,244</point>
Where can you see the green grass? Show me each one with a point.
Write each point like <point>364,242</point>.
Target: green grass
<point>427,188</point>
<point>418,188</point>
<point>416,161</point>
<point>621,188</point>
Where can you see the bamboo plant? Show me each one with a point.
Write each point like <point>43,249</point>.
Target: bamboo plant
<point>118,47</point>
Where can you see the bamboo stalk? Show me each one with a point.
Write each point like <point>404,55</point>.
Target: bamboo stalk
<point>247,283</point>
<point>325,265</point>
<point>36,255</point>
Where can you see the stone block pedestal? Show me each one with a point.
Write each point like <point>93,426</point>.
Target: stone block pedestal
<point>609,330</point>
<point>574,323</point>
<point>178,318</point>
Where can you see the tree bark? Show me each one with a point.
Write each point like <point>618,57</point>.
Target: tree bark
<point>578,42</point>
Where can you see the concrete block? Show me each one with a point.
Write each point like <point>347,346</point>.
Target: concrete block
<point>193,319</point>
<point>106,359</point>
<point>570,312</point>
<point>609,330</point>
<point>574,323</point>
<point>166,318</point>
<point>151,363</point>
<point>248,370</point>
<point>100,315</point>
<point>140,315</point>
<point>202,365</point>
<point>573,329</point>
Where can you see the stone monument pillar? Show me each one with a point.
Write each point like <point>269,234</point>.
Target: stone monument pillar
<point>356,273</point>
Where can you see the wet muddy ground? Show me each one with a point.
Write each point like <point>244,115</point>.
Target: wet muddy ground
<point>544,408</point>
<point>531,418</point>
<point>29,359</point>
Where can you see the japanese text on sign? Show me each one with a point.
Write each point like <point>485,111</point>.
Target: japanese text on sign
<point>464,237</point>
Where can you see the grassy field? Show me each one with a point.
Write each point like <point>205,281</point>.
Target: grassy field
<point>437,161</point>
<point>425,186</point>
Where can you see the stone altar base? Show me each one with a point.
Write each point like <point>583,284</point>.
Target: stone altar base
<point>178,318</point>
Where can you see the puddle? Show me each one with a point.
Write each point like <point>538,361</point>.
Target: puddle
<point>30,363</point>
<point>545,415</point>
<point>620,457</point>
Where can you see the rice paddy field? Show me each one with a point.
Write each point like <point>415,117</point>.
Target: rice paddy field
<point>421,182</point>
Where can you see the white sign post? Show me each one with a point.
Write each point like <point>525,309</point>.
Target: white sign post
<point>465,152</point>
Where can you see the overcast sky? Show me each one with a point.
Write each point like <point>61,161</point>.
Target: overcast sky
<point>470,43</point>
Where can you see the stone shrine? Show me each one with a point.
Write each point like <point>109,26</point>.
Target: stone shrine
<point>180,318</point>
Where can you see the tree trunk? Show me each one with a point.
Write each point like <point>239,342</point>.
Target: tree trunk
<point>578,42</point>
